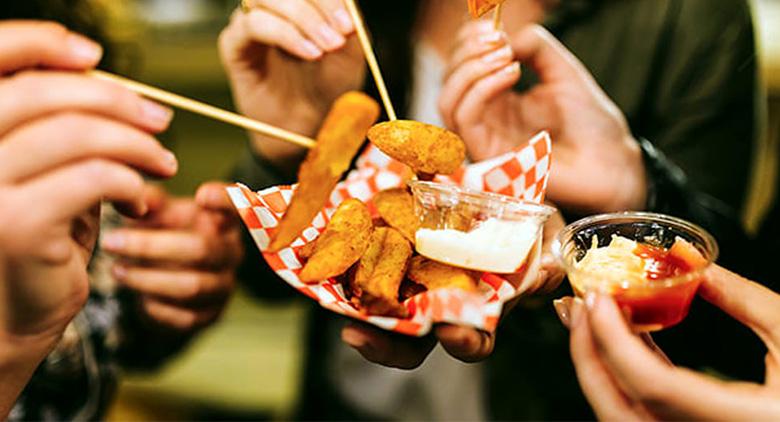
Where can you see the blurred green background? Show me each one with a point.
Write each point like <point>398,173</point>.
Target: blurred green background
<point>248,365</point>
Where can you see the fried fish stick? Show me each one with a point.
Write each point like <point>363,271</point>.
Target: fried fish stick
<point>396,207</point>
<point>343,242</point>
<point>425,148</point>
<point>380,272</point>
<point>479,8</point>
<point>435,275</point>
<point>338,142</point>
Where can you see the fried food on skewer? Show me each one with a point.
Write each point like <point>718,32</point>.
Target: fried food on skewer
<point>343,242</point>
<point>479,8</point>
<point>380,273</point>
<point>338,141</point>
<point>423,147</point>
<point>435,275</point>
<point>396,207</point>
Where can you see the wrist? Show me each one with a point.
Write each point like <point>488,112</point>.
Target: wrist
<point>19,358</point>
<point>634,192</point>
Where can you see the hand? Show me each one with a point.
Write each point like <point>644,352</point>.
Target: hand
<point>590,134</point>
<point>181,259</point>
<point>287,62</point>
<point>66,142</point>
<point>623,379</point>
<point>464,343</point>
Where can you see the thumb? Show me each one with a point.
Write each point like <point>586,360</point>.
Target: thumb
<point>750,303</point>
<point>155,197</point>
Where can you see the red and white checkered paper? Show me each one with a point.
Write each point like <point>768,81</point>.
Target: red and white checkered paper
<point>521,173</point>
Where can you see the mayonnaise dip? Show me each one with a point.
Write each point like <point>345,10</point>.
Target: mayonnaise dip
<point>497,246</point>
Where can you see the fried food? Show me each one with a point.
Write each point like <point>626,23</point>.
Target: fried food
<point>396,207</point>
<point>409,288</point>
<point>338,141</point>
<point>479,8</point>
<point>343,242</point>
<point>380,273</point>
<point>307,250</point>
<point>424,148</point>
<point>435,275</point>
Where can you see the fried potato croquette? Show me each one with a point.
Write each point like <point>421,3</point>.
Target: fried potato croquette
<point>343,242</point>
<point>425,148</point>
<point>307,250</point>
<point>396,207</point>
<point>338,141</point>
<point>479,8</point>
<point>435,275</point>
<point>380,272</point>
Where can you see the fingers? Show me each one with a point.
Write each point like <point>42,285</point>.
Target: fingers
<point>172,246</point>
<point>463,77</point>
<point>604,396</point>
<point>337,14</point>
<point>33,94</point>
<point>179,285</point>
<point>308,20</point>
<point>77,187</point>
<point>51,142</point>
<point>179,317</point>
<point>475,39</point>
<point>470,110</point>
<point>213,196</point>
<point>748,302</point>
<point>465,343</point>
<point>536,47</point>
<point>32,44</point>
<point>388,349</point>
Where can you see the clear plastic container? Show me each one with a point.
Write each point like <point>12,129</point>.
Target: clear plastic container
<point>650,305</point>
<point>476,230</point>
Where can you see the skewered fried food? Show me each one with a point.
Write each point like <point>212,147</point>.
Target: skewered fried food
<point>435,275</point>
<point>425,148</point>
<point>338,141</point>
<point>396,207</point>
<point>343,242</point>
<point>380,272</point>
<point>479,8</point>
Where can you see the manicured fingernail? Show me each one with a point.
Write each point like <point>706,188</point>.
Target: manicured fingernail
<point>590,300</point>
<point>310,50</point>
<point>155,113</point>
<point>331,38</point>
<point>503,54</point>
<point>85,49</point>
<point>512,69</point>
<point>171,161</point>
<point>113,241</point>
<point>576,312</point>
<point>491,37</point>
<point>353,338</point>
<point>563,309</point>
<point>119,271</point>
<point>344,21</point>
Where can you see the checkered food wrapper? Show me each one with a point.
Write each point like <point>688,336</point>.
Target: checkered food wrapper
<point>522,173</point>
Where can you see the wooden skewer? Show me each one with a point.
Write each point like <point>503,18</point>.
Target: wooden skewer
<point>497,16</point>
<point>368,51</point>
<point>206,110</point>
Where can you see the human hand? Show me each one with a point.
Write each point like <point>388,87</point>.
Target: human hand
<point>181,258</point>
<point>66,142</point>
<point>590,134</point>
<point>623,379</point>
<point>287,62</point>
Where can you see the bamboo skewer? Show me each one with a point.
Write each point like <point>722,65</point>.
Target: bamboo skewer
<point>373,65</point>
<point>497,16</point>
<point>206,110</point>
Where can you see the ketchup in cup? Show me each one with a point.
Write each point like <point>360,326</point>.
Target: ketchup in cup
<point>652,264</point>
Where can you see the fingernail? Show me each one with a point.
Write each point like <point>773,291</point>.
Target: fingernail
<point>85,49</point>
<point>353,338</point>
<point>310,50</point>
<point>344,21</point>
<point>490,37</point>
<point>171,161</point>
<point>119,271</point>
<point>563,309</point>
<point>331,38</point>
<point>512,69</point>
<point>503,54</point>
<point>155,113</point>
<point>113,241</point>
<point>590,300</point>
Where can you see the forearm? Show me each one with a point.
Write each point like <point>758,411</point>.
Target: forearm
<point>19,358</point>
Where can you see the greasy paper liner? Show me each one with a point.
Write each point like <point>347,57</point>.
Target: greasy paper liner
<point>522,173</point>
